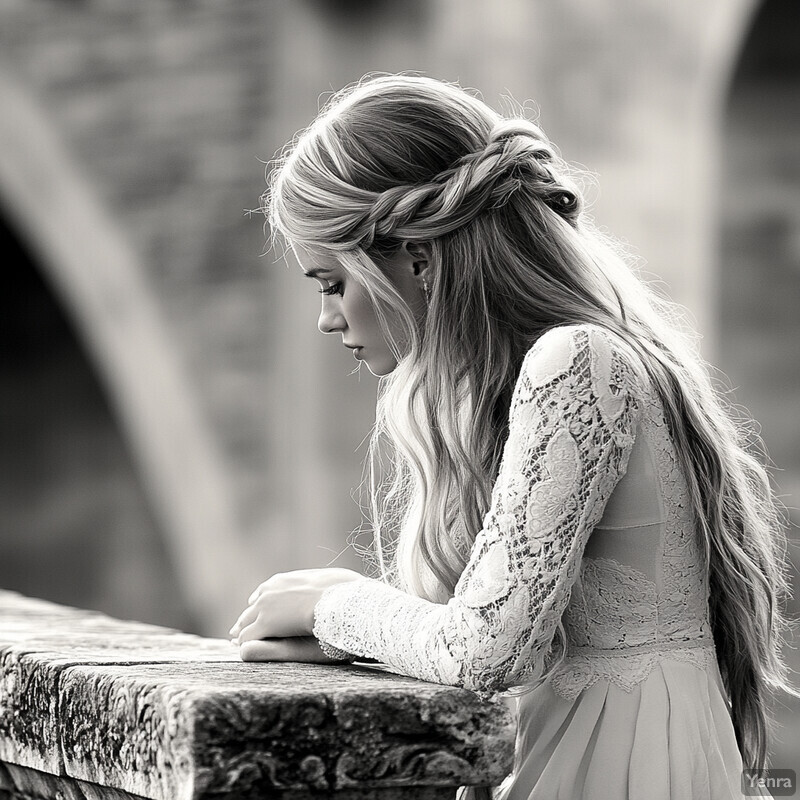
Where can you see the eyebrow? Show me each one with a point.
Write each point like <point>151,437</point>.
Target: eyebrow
<point>313,273</point>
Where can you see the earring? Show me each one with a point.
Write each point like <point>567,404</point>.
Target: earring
<point>427,289</point>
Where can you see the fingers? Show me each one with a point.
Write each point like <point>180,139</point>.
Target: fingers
<point>283,605</point>
<point>247,617</point>
<point>251,613</point>
<point>270,582</point>
<point>302,648</point>
<point>278,580</point>
<point>270,624</point>
<point>274,615</point>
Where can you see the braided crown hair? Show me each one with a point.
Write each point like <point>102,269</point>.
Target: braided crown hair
<point>512,254</point>
<point>393,196</point>
<point>515,153</point>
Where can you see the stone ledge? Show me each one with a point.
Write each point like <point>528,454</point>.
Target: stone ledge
<point>145,711</point>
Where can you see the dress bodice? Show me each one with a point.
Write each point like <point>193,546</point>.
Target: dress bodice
<point>642,587</point>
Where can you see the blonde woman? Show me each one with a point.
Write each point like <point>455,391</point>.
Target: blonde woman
<point>568,514</point>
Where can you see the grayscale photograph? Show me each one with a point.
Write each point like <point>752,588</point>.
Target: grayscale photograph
<point>399,400</point>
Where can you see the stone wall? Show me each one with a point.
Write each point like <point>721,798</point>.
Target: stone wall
<point>93,708</point>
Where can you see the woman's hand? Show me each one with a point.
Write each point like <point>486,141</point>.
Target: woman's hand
<point>304,649</point>
<point>283,607</point>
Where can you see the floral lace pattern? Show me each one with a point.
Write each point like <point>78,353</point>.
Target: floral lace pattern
<point>618,629</point>
<point>579,402</point>
<point>619,624</point>
<point>625,670</point>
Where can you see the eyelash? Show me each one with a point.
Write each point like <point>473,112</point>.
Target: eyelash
<point>334,288</point>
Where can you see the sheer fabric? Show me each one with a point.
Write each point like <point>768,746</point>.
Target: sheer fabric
<point>590,531</point>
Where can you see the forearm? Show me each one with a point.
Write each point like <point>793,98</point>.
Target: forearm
<point>370,619</point>
<point>449,644</point>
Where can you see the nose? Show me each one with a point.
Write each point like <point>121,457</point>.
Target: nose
<point>331,319</point>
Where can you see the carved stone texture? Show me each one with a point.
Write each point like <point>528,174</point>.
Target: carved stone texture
<point>23,783</point>
<point>169,716</point>
<point>261,730</point>
<point>38,640</point>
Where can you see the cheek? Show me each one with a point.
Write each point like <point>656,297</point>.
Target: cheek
<point>360,311</point>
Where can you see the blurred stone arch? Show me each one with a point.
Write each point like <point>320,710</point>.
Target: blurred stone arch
<point>52,215</point>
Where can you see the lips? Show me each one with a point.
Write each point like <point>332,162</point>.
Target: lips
<point>355,348</point>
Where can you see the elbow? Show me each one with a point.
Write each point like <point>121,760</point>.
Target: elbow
<point>488,671</point>
<point>484,676</point>
<point>482,684</point>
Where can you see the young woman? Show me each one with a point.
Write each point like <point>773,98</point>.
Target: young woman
<point>563,508</point>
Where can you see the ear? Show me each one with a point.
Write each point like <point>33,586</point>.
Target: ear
<point>418,255</point>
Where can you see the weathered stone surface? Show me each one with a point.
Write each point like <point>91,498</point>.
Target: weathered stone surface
<point>38,640</point>
<point>28,733</point>
<point>159,714</point>
<point>23,783</point>
<point>248,730</point>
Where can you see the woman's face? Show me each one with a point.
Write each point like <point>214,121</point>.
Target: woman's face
<point>348,310</point>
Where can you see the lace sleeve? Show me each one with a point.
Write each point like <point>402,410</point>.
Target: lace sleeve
<point>571,429</point>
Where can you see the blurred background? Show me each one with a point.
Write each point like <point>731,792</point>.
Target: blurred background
<point>174,428</point>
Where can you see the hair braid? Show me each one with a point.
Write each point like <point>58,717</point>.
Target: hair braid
<point>516,154</point>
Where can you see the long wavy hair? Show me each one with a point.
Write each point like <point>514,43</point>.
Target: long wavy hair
<point>402,158</point>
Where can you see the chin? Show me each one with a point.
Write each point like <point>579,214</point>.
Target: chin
<point>381,370</point>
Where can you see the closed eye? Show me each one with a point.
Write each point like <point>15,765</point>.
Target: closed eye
<point>334,288</point>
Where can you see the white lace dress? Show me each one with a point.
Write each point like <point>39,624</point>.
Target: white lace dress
<point>590,525</point>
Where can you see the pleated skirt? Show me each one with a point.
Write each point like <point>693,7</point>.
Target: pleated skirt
<point>670,738</point>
